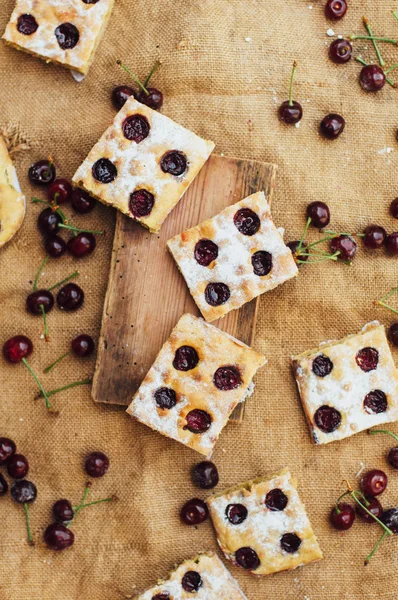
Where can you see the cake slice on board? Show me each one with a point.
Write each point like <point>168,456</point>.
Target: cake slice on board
<point>12,200</point>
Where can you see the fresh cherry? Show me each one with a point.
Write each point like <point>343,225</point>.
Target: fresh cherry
<point>27,24</point>
<point>335,9</point>
<point>205,475</point>
<point>82,244</point>
<point>327,418</point>
<point>227,378</point>
<point>82,202</point>
<point>342,517</point>
<point>247,558</point>
<point>236,513</point>
<point>392,457</point>
<point>82,345</point>
<point>59,191</point>
<point>375,237</point>
<point>17,466</point>
<point>191,581</point>
<point>70,297</point>
<point>205,252</point>
<point>55,246</point>
<point>394,208</point>
<point>393,334</point>
<point>390,519</point>
<point>23,491</point>
<point>392,243</point>
<point>374,482</point>
<point>345,245</point>
<point>217,293</point>
<point>332,126</point>
<point>185,358</point>
<point>154,98</point>
<point>165,398</point>
<point>373,506</point>
<point>319,214</point>
<point>367,359</point>
<point>17,348</point>
<point>7,449</point>
<point>276,500</point>
<point>340,51</point>
<point>290,542</point>
<point>58,537</point>
<point>38,299</point>
<point>194,512</point>
<point>198,421</point>
<point>63,511</point>
<point>42,172</point>
<point>372,78</point>
<point>48,221</point>
<point>3,485</point>
<point>291,112</point>
<point>121,94</point>
<point>96,464</point>
<point>296,248</point>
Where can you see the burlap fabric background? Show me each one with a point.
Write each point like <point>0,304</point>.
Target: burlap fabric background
<point>226,68</point>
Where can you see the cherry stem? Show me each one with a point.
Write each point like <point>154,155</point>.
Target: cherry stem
<point>379,543</point>
<point>395,13</point>
<point>154,69</point>
<point>48,369</point>
<point>30,537</point>
<point>386,529</point>
<point>371,37</point>
<point>50,164</point>
<point>308,223</point>
<point>66,387</point>
<point>291,83</point>
<point>369,30</point>
<point>373,431</point>
<point>80,230</point>
<point>43,312</point>
<point>43,264</point>
<point>138,82</point>
<point>384,304</point>
<point>82,501</point>
<point>394,66</point>
<point>75,274</point>
<point>360,60</point>
<point>80,506</point>
<point>326,239</point>
<point>319,260</point>
<point>43,393</point>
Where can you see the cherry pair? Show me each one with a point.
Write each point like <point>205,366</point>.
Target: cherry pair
<point>204,476</point>
<point>149,96</point>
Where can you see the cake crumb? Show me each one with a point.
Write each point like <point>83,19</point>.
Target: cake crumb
<point>248,39</point>
<point>330,32</point>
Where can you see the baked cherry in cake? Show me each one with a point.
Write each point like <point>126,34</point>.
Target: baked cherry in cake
<point>27,24</point>
<point>141,203</point>
<point>59,191</point>
<point>340,51</point>
<point>67,35</point>
<point>58,537</point>
<point>70,297</point>
<point>194,512</point>
<point>185,358</point>
<point>42,172</point>
<point>372,78</point>
<point>217,293</point>
<point>7,449</point>
<point>327,418</point>
<point>206,251</point>
<point>290,542</point>
<point>38,299</point>
<point>332,126</point>
<point>174,162</point>
<point>198,421</point>
<point>236,513</point>
<point>121,94</point>
<point>335,9</point>
<point>262,263</point>
<point>322,365</point>
<point>227,378</point>
<point>165,398</point>
<point>374,237</point>
<point>82,202</point>
<point>375,402</point>
<point>367,359</point>
<point>246,221</point>
<point>319,214</point>
<point>104,170</point>
<point>136,128</point>
<point>276,500</point>
<point>205,475</point>
<point>393,334</point>
<point>247,558</point>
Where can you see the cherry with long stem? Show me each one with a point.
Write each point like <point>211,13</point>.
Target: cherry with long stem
<point>372,37</point>
<point>43,393</point>
<point>138,82</point>
<point>291,83</point>
<point>55,208</point>
<point>152,71</point>
<point>382,300</point>
<point>78,230</point>
<point>365,64</point>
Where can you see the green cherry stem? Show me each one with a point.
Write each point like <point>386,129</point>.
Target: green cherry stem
<point>382,302</point>
<point>376,47</point>
<point>81,506</point>
<point>372,37</point>
<point>365,64</point>
<point>66,387</point>
<point>386,529</point>
<point>43,264</point>
<point>374,431</point>
<point>48,369</point>
<point>153,70</point>
<point>82,501</point>
<point>395,13</point>
<point>394,66</point>
<point>43,393</point>
<point>379,543</point>
<point>291,83</point>
<point>28,528</point>
<point>308,223</point>
<point>75,274</point>
<point>55,208</point>
<point>71,228</point>
<point>138,82</point>
<point>43,312</point>
<point>319,260</point>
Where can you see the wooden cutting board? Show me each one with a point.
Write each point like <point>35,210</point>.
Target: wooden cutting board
<point>147,294</point>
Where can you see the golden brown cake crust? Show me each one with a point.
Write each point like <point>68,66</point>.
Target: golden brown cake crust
<point>12,201</point>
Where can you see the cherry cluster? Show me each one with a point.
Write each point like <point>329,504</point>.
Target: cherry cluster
<point>204,476</point>
<point>149,96</point>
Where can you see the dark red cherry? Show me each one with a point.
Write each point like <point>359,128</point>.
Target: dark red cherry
<point>48,221</point>
<point>374,482</point>
<point>7,449</point>
<point>104,170</point>
<point>141,203</point>
<point>154,99</point>
<point>340,51</point>
<point>342,518</point>
<point>297,248</point>
<point>373,506</point>
<point>327,418</point>
<point>375,402</point>
<point>59,191</point>
<point>332,126</point>
<point>335,9</point>
<point>38,299</point>
<point>42,172</point>
<point>96,464</point>
<point>367,359</point>
<point>3,485</point>
<point>372,78</point>
<point>67,35</point>
<point>290,113</point>
<point>290,542</point>
<point>227,378</point>
<point>82,244</point>
<point>246,221</point>
<point>261,263</point>
<point>82,202</point>
<point>276,500</point>
<point>55,246</point>
<point>63,511</point>
<point>392,243</point>
<point>162,596</point>
<point>322,365</point>
<point>205,252</point>
<point>236,513</point>
<point>345,245</point>
<point>374,237</point>
<point>136,128</point>
<point>393,334</point>
<point>392,457</point>
<point>198,421</point>
<point>394,208</point>
<point>17,348</point>
<point>185,358</point>
<point>217,293</point>
<point>390,519</point>
<point>27,24</point>
<point>70,297</point>
<point>23,491</point>
<point>205,475</point>
<point>17,466</point>
<point>121,94</point>
<point>247,558</point>
<point>319,214</point>
<point>82,345</point>
<point>174,162</point>
<point>191,581</point>
<point>165,398</point>
<point>194,512</point>
<point>58,537</point>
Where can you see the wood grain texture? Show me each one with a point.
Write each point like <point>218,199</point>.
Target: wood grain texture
<point>146,293</point>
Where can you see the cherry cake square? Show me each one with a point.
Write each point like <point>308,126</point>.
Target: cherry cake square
<point>196,381</point>
<point>349,385</point>
<point>203,577</point>
<point>262,525</point>
<point>66,32</point>
<point>230,259</point>
<point>143,164</point>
